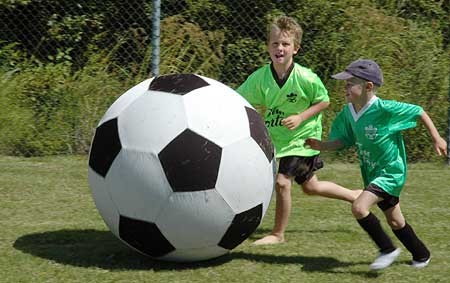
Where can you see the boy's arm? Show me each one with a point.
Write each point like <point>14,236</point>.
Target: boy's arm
<point>324,145</point>
<point>440,145</point>
<point>294,121</point>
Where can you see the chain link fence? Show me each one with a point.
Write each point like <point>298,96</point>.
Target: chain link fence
<point>196,36</point>
<point>224,40</point>
<point>56,31</point>
<point>53,103</point>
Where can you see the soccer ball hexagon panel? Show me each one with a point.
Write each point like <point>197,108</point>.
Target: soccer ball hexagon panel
<point>181,168</point>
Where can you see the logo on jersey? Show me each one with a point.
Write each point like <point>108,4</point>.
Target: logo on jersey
<point>292,97</point>
<point>364,158</point>
<point>371,132</point>
<point>274,117</point>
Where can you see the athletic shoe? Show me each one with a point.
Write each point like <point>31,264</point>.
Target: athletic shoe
<point>420,264</point>
<point>385,259</point>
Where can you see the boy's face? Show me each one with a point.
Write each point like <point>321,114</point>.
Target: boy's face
<point>281,47</point>
<point>355,88</point>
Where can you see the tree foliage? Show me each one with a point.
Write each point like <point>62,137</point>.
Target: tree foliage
<point>51,66</point>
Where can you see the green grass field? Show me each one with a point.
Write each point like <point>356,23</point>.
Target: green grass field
<point>52,232</point>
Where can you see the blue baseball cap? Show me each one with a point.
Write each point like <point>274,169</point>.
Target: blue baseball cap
<point>364,69</point>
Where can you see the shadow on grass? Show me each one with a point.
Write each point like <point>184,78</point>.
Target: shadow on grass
<point>309,264</point>
<point>93,248</point>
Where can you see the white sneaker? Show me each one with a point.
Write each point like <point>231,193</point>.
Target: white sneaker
<point>384,260</point>
<point>420,264</point>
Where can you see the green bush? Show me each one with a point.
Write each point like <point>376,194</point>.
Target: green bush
<point>93,90</point>
<point>51,111</point>
<point>243,56</point>
<point>186,48</point>
<point>55,99</point>
<point>16,123</point>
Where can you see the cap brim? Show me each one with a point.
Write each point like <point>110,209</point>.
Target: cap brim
<point>342,76</point>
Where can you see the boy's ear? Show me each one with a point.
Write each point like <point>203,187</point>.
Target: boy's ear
<point>370,86</point>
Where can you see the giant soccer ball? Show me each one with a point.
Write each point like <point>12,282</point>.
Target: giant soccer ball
<point>181,168</point>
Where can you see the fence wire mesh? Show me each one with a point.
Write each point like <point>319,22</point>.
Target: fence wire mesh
<point>52,111</point>
<point>196,36</point>
<point>54,106</point>
<point>56,31</point>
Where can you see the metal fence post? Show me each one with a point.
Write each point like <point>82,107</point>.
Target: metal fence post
<point>155,36</point>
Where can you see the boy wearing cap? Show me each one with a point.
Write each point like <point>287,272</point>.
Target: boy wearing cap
<point>374,126</point>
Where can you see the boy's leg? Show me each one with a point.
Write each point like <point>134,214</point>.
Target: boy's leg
<point>282,211</point>
<point>405,233</point>
<point>370,223</point>
<point>329,189</point>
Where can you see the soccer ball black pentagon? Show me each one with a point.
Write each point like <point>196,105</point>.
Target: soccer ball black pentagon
<point>181,168</point>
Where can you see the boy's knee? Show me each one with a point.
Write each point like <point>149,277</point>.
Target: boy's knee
<point>396,224</point>
<point>283,185</point>
<point>310,188</point>
<point>359,211</point>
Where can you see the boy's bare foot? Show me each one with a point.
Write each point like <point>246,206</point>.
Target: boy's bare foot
<point>269,240</point>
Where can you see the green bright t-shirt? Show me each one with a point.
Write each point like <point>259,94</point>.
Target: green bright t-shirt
<point>301,89</point>
<point>376,132</point>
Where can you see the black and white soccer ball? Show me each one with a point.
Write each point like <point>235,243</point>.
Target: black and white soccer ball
<point>182,168</point>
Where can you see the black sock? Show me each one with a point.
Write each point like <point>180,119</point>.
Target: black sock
<point>372,226</point>
<point>412,243</point>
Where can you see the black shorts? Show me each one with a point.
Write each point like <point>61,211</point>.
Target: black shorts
<point>388,200</point>
<point>300,167</point>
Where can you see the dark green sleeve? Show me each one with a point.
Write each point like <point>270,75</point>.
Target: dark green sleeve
<point>342,131</point>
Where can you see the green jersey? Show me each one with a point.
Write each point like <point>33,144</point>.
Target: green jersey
<point>376,132</point>
<point>301,89</point>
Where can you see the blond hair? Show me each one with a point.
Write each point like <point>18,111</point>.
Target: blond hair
<point>289,25</point>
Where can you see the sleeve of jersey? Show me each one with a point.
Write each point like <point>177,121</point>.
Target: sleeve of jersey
<point>341,130</point>
<point>317,89</point>
<point>402,115</point>
<point>250,90</point>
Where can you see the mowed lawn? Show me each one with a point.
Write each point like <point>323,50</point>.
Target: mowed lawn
<point>52,232</point>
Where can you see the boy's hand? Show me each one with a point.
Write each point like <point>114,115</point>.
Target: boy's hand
<point>440,146</point>
<point>292,121</point>
<point>314,143</point>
